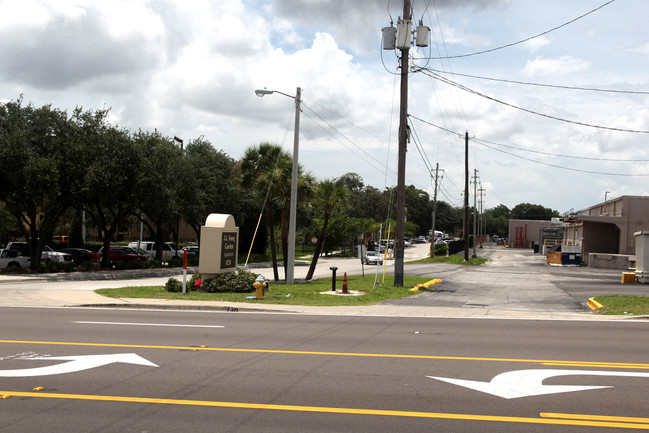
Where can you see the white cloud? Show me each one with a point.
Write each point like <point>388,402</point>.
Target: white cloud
<point>564,64</point>
<point>534,45</point>
<point>190,69</point>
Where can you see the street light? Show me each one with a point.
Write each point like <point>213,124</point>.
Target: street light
<point>290,260</point>
<point>179,140</point>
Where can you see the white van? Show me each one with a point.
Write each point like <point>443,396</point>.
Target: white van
<point>150,249</point>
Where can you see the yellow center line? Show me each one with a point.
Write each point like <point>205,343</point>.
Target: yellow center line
<point>335,410</point>
<point>594,417</point>
<point>368,355</point>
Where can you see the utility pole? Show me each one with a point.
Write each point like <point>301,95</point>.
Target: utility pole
<point>401,169</point>
<point>465,226</point>
<point>475,221</point>
<point>482,217</point>
<point>433,239</point>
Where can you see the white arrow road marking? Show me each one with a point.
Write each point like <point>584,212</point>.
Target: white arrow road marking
<point>525,383</point>
<point>75,363</point>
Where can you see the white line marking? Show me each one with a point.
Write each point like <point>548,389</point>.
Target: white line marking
<point>525,383</point>
<point>75,363</point>
<point>148,324</point>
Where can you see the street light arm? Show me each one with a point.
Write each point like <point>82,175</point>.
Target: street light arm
<point>262,92</point>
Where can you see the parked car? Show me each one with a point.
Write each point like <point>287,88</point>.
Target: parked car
<point>168,250</point>
<point>119,253</point>
<point>422,239</point>
<point>14,259</point>
<point>79,255</point>
<point>192,252</point>
<point>48,254</point>
<point>373,258</point>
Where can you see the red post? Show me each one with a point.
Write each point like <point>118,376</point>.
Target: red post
<point>345,283</point>
<point>185,260</point>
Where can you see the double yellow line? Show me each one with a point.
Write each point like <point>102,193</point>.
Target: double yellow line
<point>590,364</point>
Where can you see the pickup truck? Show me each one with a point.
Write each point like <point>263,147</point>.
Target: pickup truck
<point>13,259</point>
<point>48,253</point>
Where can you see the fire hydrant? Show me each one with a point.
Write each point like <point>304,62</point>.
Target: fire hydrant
<point>259,285</point>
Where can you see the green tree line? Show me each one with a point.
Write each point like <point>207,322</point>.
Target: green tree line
<point>56,165</point>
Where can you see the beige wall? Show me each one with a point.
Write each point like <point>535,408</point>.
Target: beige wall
<point>522,233</point>
<point>609,227</point>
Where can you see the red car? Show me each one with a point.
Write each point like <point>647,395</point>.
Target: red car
<point>119,254</point>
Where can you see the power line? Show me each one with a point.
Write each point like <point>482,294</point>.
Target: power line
<point>482,143</point>
<point>526,39</point>
<point>549,116</point>
<point>588,158</point>
<point>486,143</point>
<point>554,86</point>
<point>383,168</point>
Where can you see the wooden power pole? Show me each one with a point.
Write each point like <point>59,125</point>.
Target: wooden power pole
<point>401,169</point>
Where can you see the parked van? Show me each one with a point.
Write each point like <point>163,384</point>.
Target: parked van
<point>150,249</point>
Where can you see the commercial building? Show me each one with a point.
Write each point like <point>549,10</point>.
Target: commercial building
<point>606,230</point>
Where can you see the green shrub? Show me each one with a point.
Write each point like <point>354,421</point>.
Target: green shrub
<point>175,262</point>
<point>173,285</point>
<point>238,282</point>
<point>48,267</point>
<point>193,280</point>
<point>137,264</point>
<point>441,249</point>
<point>88,267</point>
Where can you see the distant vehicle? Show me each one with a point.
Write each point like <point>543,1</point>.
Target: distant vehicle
<point>48,254</point>
<point>140,251</point>
<point>14,259</point>
<point>192,252</point>
<point>168,249</point>
<point>119,253</point>
<point>373,258</point>
<point>406,243</point>
<point>79,255</point>
<point>422,239</point>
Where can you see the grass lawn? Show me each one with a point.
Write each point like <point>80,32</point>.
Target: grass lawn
<point>624,305</point>
<point>302,293</point>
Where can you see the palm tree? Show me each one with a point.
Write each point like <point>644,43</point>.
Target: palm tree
<point>331,197</point>
<point>267,169</point>
<point>260,171</point>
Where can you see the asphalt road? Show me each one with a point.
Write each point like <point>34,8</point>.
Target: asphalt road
<point>251,372</point>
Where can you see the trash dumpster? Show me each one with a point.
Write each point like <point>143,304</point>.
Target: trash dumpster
<point>554,258</point>
<point>570,259</point>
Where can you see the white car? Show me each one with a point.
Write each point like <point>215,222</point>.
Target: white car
<point>13,259</point>
<point>373,258</point>
<point>150,249</point>
<point>48,254</point>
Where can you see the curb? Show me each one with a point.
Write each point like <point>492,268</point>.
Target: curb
<point>593,304</point>
<point>183,307</point>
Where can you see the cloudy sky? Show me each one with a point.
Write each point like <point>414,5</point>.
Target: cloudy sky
<point>554,98</point>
